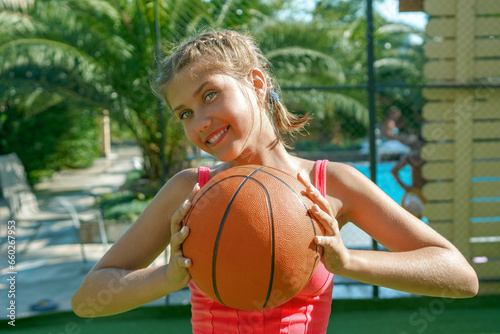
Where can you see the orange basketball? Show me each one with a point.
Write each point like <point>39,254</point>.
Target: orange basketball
<point>251,238</point>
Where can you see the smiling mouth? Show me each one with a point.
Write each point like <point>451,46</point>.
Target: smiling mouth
<point>217,136</point>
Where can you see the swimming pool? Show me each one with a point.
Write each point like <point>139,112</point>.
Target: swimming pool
<point>385,180</point>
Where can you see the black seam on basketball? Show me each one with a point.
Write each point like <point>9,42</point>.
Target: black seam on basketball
<point>298,197</point>
<point>273,251</point>
<point>206,191</point>
<point>308,214</point>
<point>219,233</point>
<point>213,185</point>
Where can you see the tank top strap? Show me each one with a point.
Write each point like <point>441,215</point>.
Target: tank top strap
<point>203,175</point>
<point>320,176</point>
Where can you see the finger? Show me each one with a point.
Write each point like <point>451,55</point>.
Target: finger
<point>178,216</point>
<point>322,241</point>
<point>193,193</point>
<point>178,238</point>
<point>302,178</point>
<point>315,196</point>
<point>176,252</point>
<point>313,193</point>
<point>329,223</point>
<point>186,205</point>
<point>184,262</point>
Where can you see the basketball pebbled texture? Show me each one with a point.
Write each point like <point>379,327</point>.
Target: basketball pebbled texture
<point>251,238</point>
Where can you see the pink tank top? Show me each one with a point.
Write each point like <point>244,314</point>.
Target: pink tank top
<point>308,312</point>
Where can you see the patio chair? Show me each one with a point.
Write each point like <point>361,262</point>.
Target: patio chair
<point>24,207</point>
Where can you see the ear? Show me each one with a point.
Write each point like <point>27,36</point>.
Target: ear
<point>258,81</point>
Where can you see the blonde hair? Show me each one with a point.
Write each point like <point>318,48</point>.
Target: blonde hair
<point>231,53</point>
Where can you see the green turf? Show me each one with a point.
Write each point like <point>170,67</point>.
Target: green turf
<point>150,320</point>
<point>399,316</point>
<point>417,315</point>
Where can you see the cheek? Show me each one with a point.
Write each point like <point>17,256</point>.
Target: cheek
<point>191,136</point>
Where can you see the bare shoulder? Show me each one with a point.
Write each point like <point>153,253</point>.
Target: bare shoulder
<point>353,188</point>
<point>341,173</point>
<point>344,180</point>
<point>179,185</point>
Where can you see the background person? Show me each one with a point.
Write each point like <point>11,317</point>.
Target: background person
<point>392,127</point>
<point>413,199</point>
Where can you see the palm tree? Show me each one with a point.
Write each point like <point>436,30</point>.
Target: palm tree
<point>102,53</point>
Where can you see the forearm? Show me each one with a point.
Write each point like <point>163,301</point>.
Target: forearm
<point>110,291</point>
<point>431,271</point>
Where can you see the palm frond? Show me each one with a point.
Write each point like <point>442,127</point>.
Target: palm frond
<point>396,64</point>
<point>39,52</point>
<point>299,58</point>
<point>396,28</point>
<point>327,105</point>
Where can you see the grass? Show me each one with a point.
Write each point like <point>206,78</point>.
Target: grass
<point>399,316</point>
<point>165,320</point>
<point>416,315</point>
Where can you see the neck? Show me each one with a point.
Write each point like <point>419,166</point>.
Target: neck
<point>275,156</point>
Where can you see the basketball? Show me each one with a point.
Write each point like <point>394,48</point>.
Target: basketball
<point>251,238</point>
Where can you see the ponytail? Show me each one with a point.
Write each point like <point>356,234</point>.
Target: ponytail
<point>284,121</point>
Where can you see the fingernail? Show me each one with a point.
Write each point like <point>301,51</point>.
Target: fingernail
<point>316,208</point>
<point>184,230</point>
<point>186,262</point>
<point>311,189</point>
<point>185,204</point>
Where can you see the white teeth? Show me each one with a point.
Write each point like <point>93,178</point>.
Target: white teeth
<point>217,136</point>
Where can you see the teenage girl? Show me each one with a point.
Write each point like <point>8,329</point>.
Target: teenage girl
<point>219,87</point>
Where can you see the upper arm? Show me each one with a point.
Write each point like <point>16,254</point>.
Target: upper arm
<point>368,207</point>
<point>150,234</point>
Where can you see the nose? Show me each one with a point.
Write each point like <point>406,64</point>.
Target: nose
<point>203,121</point>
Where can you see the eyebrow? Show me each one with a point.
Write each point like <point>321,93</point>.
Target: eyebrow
<point>194,94</point>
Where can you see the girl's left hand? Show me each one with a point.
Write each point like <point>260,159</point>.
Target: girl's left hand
<point>335,254</point>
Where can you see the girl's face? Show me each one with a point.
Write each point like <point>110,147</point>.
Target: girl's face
<point>220,115</point>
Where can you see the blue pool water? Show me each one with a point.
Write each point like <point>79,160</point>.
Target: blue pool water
<point>385,180</point>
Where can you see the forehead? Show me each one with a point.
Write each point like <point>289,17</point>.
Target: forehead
<point>182,82</point>
<point>186,82</point>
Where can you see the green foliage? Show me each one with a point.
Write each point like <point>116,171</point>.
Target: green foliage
<point>334,40</point>
<point>61,137</point>
<point>100,54</point>
<point>123,206</point>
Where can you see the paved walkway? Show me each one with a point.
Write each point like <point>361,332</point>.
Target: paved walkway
<point>52,266</point>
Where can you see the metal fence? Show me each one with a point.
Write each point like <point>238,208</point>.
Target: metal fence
<point>379,89</point>
<point>415,105</point>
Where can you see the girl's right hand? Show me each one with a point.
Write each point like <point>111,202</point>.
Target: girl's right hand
<point>177,270</point>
